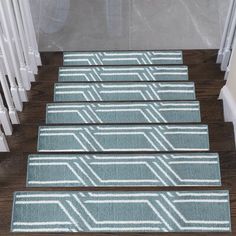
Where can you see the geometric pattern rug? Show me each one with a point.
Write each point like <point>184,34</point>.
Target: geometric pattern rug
<point>73,170</point>
<point>123,91</point>
<point>120,138</point>
<point>194,211</point>
<point>123,73</point>
<point>114,112</point>
<point>123,58</point>
<point>123,119</point>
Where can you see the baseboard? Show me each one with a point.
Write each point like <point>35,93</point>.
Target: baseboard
<point>229,104</point>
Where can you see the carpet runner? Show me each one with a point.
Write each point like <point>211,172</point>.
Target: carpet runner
<point>121,211</point>
<point>120,112</point>
<point>123,91</point>
<point>123,119</point>
<point>123,73</point>
<point>123,58</point>
<point>121,138</point>
<point>68,170</point>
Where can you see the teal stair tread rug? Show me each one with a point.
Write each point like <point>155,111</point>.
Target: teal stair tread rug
<point>123,73</point>
<point>124,91</point>
<point>121,112</point>
<point>73,170</point>
<point>123,58</point>
<point>182,211</point>
<point>121,138</point>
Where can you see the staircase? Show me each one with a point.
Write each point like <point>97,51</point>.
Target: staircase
<point>204,76</point>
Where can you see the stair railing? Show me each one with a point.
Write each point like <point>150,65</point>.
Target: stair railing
<point>3,142</point>
<point>25,6</point>
<point>5,118</point>
<point>9,97</point>
<point>228,37</point>
<point>12,50</point>
<point>13,26</point>
<point>24,41</point>
<point>19,61</point>
<point>31,49</point>
<point>9,71</point>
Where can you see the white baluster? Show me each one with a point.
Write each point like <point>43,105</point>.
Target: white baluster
<point>23,69</point>
<point>3,18</point>
<point>5,43</point>
<point>228,22</point>
<point>23,40</point>
<point>4,118</point>
<point>3,143</point>
<point>230,65</point>
<point>228,44</point>
<point>7,94</point>
<point>32,30</point>
<point>28,38</point>
<point>2,63</point>
<point>14,88</point>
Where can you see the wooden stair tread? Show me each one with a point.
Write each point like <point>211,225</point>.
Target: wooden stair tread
<point>190,57</point>
<point>207,89</point>
<point>13,179</point>
<point>205,71</point>
<point>25,137</point>
<point>208,80</point>
<point>35,112</point>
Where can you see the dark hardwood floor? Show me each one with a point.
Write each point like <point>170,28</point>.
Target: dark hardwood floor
<point>209,80</point>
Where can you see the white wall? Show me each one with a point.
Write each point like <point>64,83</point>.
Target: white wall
<point>128,24</point>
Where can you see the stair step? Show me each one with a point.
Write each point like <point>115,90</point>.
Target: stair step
<point>123,211</point>
<point>123,73</point>
<point>34,111</point>
<point>196,72</point>
<point>208,89</point>
<point>142,112</point>
<point>98,170</point>
<point>190,57</point>
<point>221,137</point>
<point>122,58</point>
<point>15,178</point>
<point>201,69</point>
<point>123,138</point>
<point>124,91</point>
<point>193,56</point>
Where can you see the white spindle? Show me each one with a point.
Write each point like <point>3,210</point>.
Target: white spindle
<point>14,88</point>
<point>228,22</point>
<point>3,142</point>
<point>28,38</point>
<point>228,44</point>
<point>4,118</point>
<point>23,69</point>
<point>3,16</point>
<point>23,40</point>
<point>31,29</point>
<point>7,94</point>
<point>2,63</point>
<point>19,60</point>
<point>230,61</point>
